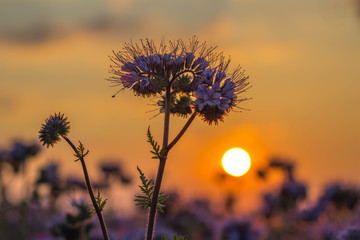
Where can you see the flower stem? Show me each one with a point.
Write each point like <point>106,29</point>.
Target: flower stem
<point>91,193</point>
<point>160,173</point>
<point>154,200</point>
<point>181,133</point>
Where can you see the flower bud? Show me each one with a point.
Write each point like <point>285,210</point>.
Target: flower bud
<point>54,127</point>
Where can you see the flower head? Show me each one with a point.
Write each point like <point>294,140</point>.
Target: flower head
<point>147,69</point>
<point>54,127</point>
<point>217,93</point>
<point>196,77</point>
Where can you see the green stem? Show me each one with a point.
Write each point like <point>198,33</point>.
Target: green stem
<point>91,193</point>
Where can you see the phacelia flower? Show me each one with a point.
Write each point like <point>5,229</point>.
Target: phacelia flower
<point>55,126</point>
<point>217,93</point>
<point>196,77</point>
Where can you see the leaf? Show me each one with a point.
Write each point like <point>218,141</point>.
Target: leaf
<point>80,152</point>
<point>100,202</point>
<point>147,189</point>
<point>157,152</point>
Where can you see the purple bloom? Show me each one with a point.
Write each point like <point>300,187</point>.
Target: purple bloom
<point>167,59</point>
<point>143,66</point>
<point>129,79</point>
<point>207,76</point>
<point>216,93</point>
<point>128,67</point>
<point>201,64</point>
<point>179,61</point>
<point>220,75</point>
<point>189,57</point>
<point>191,71</point>
<point>228,89</point>
<point>153,62</point>
<point>206,96</point>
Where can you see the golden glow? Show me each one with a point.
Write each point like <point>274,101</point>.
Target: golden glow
<point>236,162</point>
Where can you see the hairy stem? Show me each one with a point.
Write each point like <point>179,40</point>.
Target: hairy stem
<point>160,173</point>
<point>91,193</point>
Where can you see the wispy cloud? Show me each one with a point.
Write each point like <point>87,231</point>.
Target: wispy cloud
<point>31,21</point>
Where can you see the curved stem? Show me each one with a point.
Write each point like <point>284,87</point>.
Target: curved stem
<point>91,193</point>
<point>180,73</point>
<point>181,133</point>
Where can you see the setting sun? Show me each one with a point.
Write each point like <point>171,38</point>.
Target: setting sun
<point>236,162</point>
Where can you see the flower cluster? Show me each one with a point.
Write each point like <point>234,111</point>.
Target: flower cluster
<point>55,126</point>
<point>193,74</point>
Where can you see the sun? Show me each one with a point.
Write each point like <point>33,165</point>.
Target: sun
<point>236,162</point>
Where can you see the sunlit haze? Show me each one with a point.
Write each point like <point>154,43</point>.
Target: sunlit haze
<point>302,58</point>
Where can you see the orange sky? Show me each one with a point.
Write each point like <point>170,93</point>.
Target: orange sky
<point>302,57</point>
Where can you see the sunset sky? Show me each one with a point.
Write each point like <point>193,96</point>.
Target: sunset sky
<point>302,58</point>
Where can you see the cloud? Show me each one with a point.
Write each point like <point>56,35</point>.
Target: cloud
<point>31,21</point>
<point>36,21</point>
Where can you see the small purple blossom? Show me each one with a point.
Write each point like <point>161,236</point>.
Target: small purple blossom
<point>189,57</point>
<point>129,79</point>
<point>206,96</point>
<point>216,93</point>
<point>201,64</point>
<point>220,75</point>
<point>128,67</point>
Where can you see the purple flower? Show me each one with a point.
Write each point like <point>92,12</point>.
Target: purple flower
<point>191,71</point>
<point>217,84</point>
<point>128,67</point>
<point>189,57</point>
<point>143,66</point>
<point>129,79</point>
<point>228,89</point>
<point>207,76</point>
<point>201,64</point>
<point>153,62</point>
<point>167,60</point>
<point>220,75</point>
<point>206,96</point>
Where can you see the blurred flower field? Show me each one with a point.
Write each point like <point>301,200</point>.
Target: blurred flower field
<point>283,214</point>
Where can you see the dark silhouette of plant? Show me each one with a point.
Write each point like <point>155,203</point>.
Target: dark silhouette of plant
<point>57,127</point>
<point>191,80</point>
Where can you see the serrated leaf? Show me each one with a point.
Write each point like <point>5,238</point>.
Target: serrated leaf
<point>156,147</point>
<point>147,189</point>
